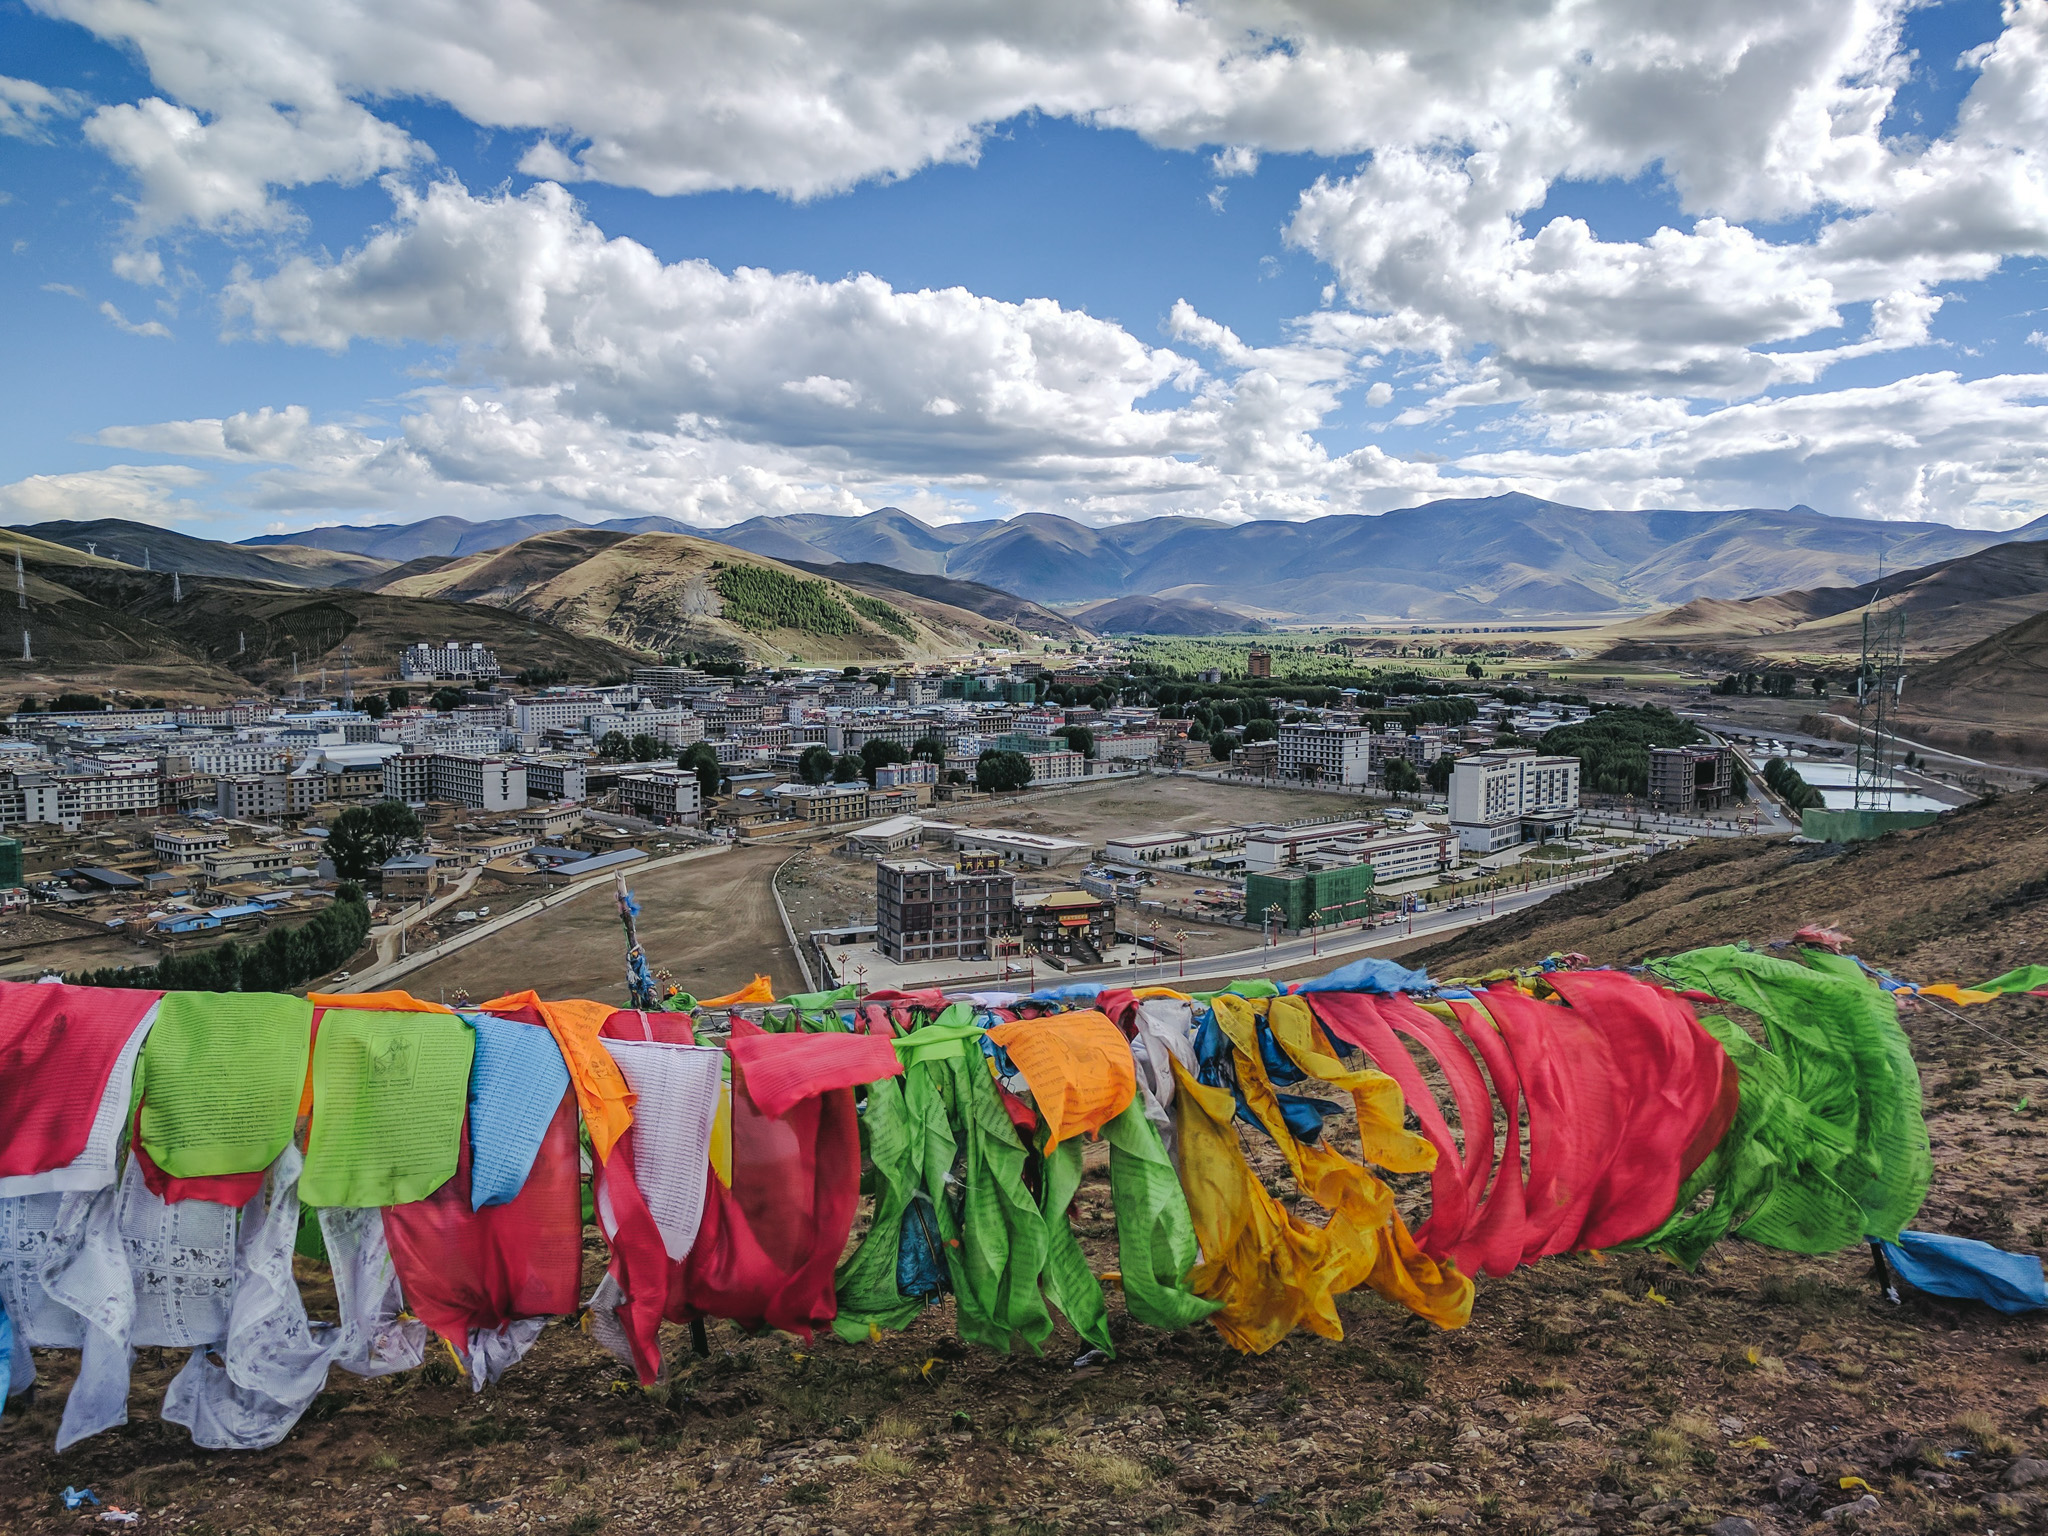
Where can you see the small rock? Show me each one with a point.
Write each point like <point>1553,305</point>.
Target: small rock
<point>1422,1413</point>
<point>439,1483</point>
<point>457,1514</point>
<point>1575,1424</point>
<point>1412,1477</point>
<point>1454,1515</point>
<point>1732,1525</point>
<point>1862,1509</point>
<point>1798,1492</point>
<point>1927,1477</point>
<point>2027,1469</point>
<point>2004,1504</point>
<point>1606,1503</point>
<point>1730,1425</point>
<point>1659,1514</point>
<point>1497,1407</point>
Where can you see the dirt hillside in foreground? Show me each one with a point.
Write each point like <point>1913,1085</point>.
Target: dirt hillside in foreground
<point>1963,899</point>
<point>1597,1395</point>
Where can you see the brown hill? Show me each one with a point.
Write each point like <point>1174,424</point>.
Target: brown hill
<point>97,625</point>
<point>1947,606</point>
<point>673,593</point>
<point>1960,900</point>
<point>1988,700</point>
<point>1166,615</point>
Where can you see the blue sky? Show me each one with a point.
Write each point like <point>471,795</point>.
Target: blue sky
<point>266,271</point>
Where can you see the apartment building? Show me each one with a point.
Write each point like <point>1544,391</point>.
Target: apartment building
<point>186,845</point>
<point>483,783</point>
<point>1685,780</point>
<point>424,661</point>
<point>1332,754</point>
<point>666,795</point>
<point>556,778</point>
<point>408,778</point>
<point>930,911</point>
<point>250,796</point>
<point>1501,798</point>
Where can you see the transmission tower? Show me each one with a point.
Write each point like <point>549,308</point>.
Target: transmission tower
<point>20,583</point>
<point>348,687</point>
<point>1880,680</point>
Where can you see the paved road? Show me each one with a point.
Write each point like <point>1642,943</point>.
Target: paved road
<point>1337,948</point>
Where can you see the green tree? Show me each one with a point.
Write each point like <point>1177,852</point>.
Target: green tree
<point>1261,730</point>
<point>364,836</point>
<point>1613,746</point>
<point>1732,683</point>
<point>928,749</point>
<point>1473,669</point>
<point>815,765</point>
<point>1439,773</point>
<point>445,699</point>
<point>400,698</point>
<point>873,754</point>
<point>614,747</point>
<point>1401,777</point>
<point>1820,687</point>
<point>847,769</point>
<point>374,705</point>
<point>1078,739</point>
<point>701,758</point>
<point>995,771</point>
<point>1221,744</point>
<point>647,749</point>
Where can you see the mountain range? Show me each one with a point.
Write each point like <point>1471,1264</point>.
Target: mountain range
<point>1475,560</point>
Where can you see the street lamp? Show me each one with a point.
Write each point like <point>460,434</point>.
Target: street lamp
<point>1275,915</point>
<point>1180,944</point>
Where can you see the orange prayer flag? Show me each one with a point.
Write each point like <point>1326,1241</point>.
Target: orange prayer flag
<point>759,990</point>
<point>1079,1067</point>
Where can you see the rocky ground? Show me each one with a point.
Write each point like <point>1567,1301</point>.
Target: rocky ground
<point>1601,1393</point>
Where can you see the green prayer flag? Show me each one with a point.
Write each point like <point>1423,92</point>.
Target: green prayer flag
<point>1155,1234</point>
<point>1847,1132</point>
<point>221,1076</point>
<point>389,1093</point>
<point>2028,978</point>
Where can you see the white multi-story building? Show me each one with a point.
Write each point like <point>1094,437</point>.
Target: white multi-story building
<point>1500,798</point>
<point>555,711</point>
<point>1127,749</point>
<point>1334,754</point>
<point>425,661</point>
<point>251,796</point>
<point>677,727</point>
<point>409,778</point>
<point>238,757</point>
<point>1056,767</point>
<point>664,795</point>
<point>557,778</point>
<point>483,783</point>
<point>186,845</point>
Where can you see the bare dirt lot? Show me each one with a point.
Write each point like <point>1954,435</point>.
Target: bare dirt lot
<point>1611,1394</point>
<point>710,922</point>
<point>1155,803</point>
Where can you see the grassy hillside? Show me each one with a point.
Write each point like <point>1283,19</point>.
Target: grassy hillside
<point>97,625</point>
<point>673,593</point>
<point>128,543</point>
